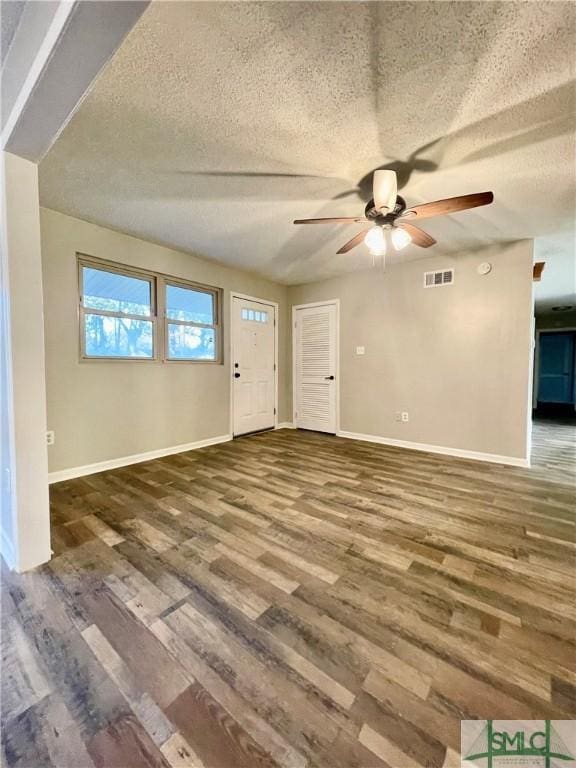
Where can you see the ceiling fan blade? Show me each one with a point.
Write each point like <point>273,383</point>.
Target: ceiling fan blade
<point>419,237</point>
<point>356,240</point>
<point>449,205</point>
<point>335,220</point>
<point>385,190</point>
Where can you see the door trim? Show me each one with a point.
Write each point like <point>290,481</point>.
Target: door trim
<point>267,302</point>
<point>295,308</point>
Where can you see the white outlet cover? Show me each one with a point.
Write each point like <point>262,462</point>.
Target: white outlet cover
<point>360,350</point>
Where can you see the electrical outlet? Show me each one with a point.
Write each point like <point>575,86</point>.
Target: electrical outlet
<point>50,437</point>
<point>360,350</point>
<point>398,416</point>
<point>405,416</point>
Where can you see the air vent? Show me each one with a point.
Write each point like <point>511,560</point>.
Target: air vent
<point>442,277</point>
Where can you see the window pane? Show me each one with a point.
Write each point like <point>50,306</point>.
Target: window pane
<point>188,304</point>
<point>187,342</point>
<point>117,337</point>
<point>115,293</point>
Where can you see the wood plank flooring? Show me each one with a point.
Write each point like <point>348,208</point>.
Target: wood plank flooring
<point>293,599</point>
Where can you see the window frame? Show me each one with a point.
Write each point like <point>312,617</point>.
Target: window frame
<point>158,285</point>
<point>120,269</point>
<point>216,325</point>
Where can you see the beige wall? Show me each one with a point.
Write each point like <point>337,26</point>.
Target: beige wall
<point>457,358</point>
<point>106,410</point>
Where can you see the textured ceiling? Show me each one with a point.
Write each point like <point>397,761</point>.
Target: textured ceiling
<point>196,131</point>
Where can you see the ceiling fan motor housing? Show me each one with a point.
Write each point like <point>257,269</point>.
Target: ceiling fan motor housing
<point>373,214</point>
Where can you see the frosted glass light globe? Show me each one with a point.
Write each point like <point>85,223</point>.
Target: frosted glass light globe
<point>400,238</point>
<point>376,241</point>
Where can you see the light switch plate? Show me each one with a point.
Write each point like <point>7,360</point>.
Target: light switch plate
<point>360,350</point>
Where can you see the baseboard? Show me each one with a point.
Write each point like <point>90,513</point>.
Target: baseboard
<point>457,452</point>
<point>17,564</point>
<point>124,461</point>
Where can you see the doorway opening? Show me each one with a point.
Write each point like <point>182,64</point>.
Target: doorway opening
<point>555,373</point>
<point>554,398</point>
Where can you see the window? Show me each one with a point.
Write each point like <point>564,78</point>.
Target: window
<point>117,314</point>
<point>191,323</point>
<point>254,315</point>
<point>119,311</point>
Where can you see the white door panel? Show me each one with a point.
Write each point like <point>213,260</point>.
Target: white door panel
<point>315,367</point>
<point>253,355</point>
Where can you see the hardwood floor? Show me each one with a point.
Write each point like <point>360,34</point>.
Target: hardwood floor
<point>293,599</point>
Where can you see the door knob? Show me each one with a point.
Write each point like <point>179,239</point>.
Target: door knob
<point>330,378</point>
<point>236,375</point>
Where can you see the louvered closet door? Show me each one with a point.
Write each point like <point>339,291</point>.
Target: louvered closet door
<point>315,364</point>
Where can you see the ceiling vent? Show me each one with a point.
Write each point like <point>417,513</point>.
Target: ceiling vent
<point>441,277</point>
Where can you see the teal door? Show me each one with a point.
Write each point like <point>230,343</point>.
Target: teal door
<point>556,374</point>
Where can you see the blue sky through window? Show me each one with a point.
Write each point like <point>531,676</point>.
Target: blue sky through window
<point>189,305</point>
<point>113,292</point>
<point>120,317</point>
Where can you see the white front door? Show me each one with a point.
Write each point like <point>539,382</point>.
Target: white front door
<point>253,358</point>
<point>315,358</point>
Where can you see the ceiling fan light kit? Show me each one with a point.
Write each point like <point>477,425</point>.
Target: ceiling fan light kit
<point>375,238</point>
<point>387,211</point>
<point>376,241</point>
<point>400,238</point>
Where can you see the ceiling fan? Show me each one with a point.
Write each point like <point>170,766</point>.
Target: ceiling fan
<point>387,211</point>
